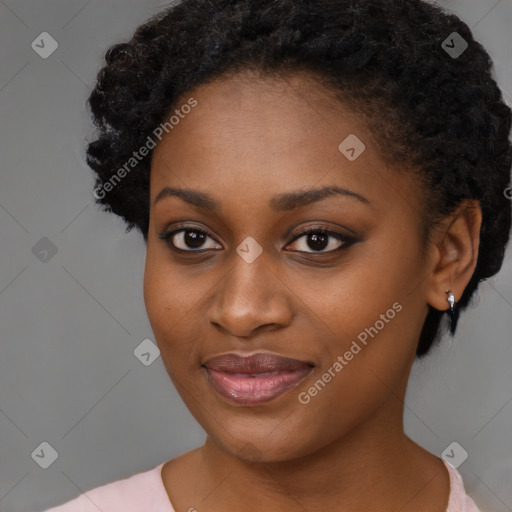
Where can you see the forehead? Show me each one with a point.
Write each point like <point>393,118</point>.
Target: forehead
<point>238,111</point>
<point>265,135</point>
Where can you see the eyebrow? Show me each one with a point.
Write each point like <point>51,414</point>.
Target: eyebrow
<point>282,202</point>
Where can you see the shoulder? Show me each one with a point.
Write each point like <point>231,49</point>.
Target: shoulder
<point>141,491</point>
<point>459,501</point>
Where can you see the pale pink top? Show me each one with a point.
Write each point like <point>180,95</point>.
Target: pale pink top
<point>145,492</point>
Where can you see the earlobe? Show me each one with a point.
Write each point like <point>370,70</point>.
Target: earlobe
<point>455,245</point>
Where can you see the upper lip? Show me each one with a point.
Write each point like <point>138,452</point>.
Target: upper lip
<point>259,362</point>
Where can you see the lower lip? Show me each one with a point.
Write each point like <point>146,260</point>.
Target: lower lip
<point>260,388</point>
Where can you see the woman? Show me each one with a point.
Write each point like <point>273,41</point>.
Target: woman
<point>321,187</point>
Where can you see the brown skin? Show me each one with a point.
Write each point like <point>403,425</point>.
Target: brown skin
<point>346,450</point>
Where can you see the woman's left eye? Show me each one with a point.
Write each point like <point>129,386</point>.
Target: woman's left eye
<point>318,239</point>
<point>315,239</point>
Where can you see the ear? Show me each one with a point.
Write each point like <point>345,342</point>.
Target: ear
<point>454,254</point>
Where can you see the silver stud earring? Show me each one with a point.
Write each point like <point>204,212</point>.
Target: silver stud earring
<point>451,300</point>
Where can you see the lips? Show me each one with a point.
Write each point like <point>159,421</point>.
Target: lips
<point>254,379</point>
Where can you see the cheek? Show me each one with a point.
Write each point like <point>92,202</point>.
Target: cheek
<point>164,295</point>
<point>371,313</point>
<point>346,302</point>
<point>174,308</point>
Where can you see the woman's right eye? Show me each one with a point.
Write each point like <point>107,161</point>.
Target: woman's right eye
<point>188,240</point>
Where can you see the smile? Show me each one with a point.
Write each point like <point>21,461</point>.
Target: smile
<point>254,379</point>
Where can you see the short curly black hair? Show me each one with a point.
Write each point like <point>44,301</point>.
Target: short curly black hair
<point>439,112</point>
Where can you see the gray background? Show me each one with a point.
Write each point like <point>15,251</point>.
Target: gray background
<point>70,325</point>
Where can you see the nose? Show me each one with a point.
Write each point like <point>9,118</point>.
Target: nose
<point>251,298</point>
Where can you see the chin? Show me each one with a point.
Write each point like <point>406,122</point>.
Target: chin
<point>254,443</point>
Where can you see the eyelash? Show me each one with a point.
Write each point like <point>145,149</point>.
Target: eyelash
<point>347,240</point>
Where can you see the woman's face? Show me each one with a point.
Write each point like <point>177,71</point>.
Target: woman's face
<point>242,279</point>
